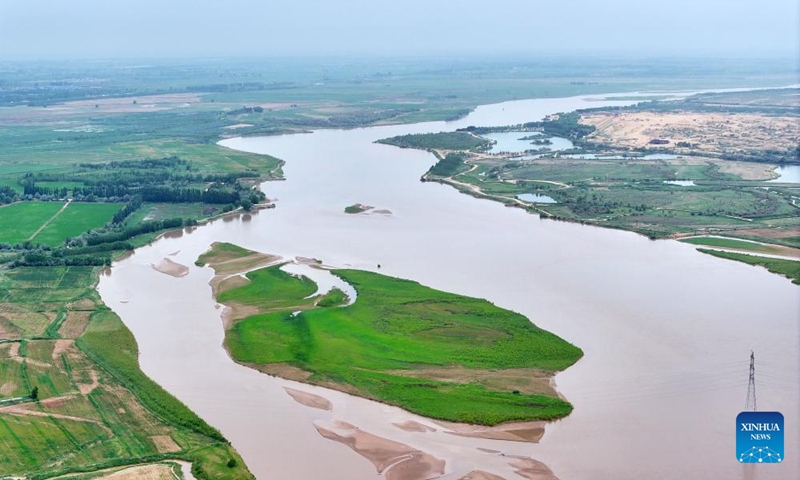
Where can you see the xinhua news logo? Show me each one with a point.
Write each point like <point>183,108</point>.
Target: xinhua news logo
<point>759,437</point>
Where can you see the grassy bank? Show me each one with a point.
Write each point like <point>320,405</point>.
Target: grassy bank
<point>94,408</point>
<point>788,268</point>
<point>733,243</point>
<point>401,343</point>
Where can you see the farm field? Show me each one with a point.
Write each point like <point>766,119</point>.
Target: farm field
<point>74,220</point>
<point>51,223</point>
<point>72,398</point>
<point>19,221</point>
<point>400,343</point>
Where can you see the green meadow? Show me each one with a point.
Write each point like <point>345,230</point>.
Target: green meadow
<point>382,345</point>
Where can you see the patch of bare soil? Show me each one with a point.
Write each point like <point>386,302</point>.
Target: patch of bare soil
<point>236,311</point>
<point>143,472</point>
<point>412,426</point>
<point>83,304</point>
<point>13,350</point>
<point>395,460</point>
<point>309,399</point>
<point>745,170</point>
<point>8,329</point>
<point>87,388</point>
<point>708,133</point>
<point>769,232</point>
<point>60,347</point>
<point>221,283</point>
<point>524,380</point>
<point>244,264</point>
<point>165,444</point>
<point>171,268</point>
<point>7,388</point>
<point>75,324</point>
<point>282,370</point>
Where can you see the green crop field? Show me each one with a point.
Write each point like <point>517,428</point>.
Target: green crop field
<point>74,220</point>
<point>100,410</point>
<point>383,343</point>
<point>21,220</point>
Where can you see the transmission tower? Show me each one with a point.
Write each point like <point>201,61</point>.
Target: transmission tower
<point>750,403</point>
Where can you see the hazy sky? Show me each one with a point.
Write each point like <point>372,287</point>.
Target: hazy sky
<point>167,28</point>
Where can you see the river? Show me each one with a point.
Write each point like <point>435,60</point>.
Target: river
<point>666,331</point>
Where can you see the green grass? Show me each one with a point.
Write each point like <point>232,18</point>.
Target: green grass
<point>21,220</point>
<point>730,243</point>
<point>76,219</point>
<point>788,268</point>
<point>397,325</point>
<point>443,140</point>
<point>334,298</point>
<point>271,288</point>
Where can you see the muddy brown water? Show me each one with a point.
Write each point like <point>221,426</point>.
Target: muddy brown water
<point>666,331</point>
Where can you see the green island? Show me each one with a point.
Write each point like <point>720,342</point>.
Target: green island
<point>357,208</point>
<point>437,354</point>
<point>442,140</point>
<point>681,183</point>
